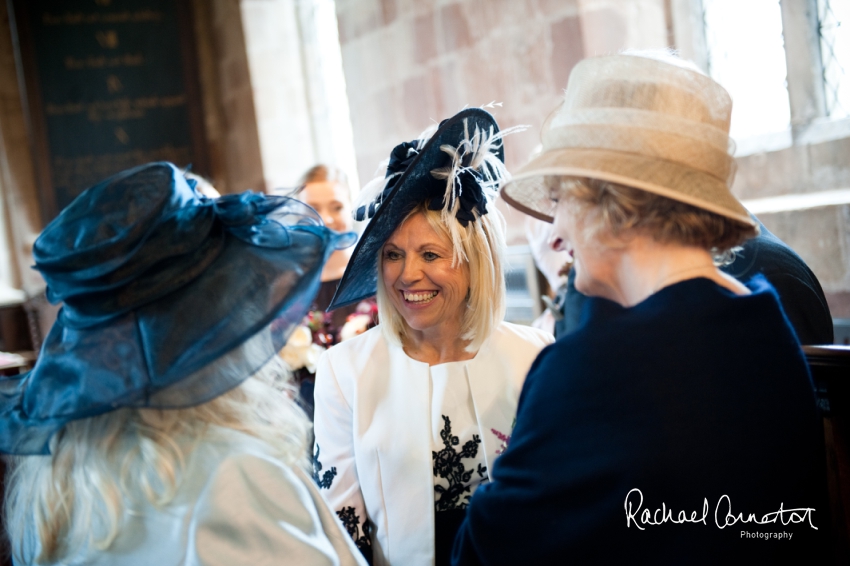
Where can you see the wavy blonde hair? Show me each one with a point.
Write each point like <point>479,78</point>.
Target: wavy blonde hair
<point>481,245</point>
<point>81,493</point>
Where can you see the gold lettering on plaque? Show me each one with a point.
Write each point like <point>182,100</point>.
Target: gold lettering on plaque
<point>113,84</point>
<point>122,135</point>
<point>107,39</point>
<point>79,18</point>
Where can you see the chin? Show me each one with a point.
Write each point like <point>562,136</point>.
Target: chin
<point>418,324</point>
<point>585,287</point>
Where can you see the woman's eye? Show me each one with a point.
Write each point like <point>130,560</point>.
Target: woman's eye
<point>430,256</point>
<point>392,255</point>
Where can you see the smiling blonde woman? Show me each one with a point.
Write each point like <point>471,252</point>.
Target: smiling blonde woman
<point>411,415</point>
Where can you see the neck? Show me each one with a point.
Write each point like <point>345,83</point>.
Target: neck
<point>336,265</point>
<point>437,345</point>
<point>643,267</point>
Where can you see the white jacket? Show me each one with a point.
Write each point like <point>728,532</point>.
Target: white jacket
<point>236,505</point>
<point>373,439</point>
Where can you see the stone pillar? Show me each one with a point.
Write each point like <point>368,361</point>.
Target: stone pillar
<point>20,207</point>
<point>803,60</point>
<point>276,82</point>
<point>325,87</point>
<point>239,141</point>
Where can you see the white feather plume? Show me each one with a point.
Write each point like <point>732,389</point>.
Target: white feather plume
<point>476,152</point>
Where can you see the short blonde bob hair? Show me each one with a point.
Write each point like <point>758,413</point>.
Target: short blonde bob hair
<point>481,245</point>
<point>100,468</point>
<point>620,211</point>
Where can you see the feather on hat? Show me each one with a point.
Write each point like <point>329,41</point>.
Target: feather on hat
<point>457,168</point>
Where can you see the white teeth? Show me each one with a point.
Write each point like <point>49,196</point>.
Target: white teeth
<point>419,297</point>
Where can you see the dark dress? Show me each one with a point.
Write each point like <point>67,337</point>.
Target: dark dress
<point>690,396</point>
<point>799,290</point>
<point>306,380</point>
<point>323,299</point>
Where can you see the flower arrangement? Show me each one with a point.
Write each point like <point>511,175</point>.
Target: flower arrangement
<point>316,334</point>
<point>361,320</point>
<point>301,351</point>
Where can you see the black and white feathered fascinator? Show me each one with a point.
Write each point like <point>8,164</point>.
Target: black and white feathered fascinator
<point>456,169</point>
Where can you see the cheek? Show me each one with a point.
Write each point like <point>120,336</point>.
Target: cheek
<point>389,273</point>
<point>343,219</point>
<point>563,225</point>
<point>459,280</point>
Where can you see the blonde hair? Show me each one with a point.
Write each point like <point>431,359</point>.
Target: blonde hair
<point>98,467</point>
<point>620,210</point>
<point>481,246</point>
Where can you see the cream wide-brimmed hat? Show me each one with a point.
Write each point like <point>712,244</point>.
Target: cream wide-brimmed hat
<point>641,123</point>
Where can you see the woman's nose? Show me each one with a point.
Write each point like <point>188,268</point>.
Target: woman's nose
<point>410,273</point>
<point>556,243</point>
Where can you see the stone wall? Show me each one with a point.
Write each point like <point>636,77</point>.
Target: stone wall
<point>412,63</point>
<point>820,235</point>
<point>409,63</point>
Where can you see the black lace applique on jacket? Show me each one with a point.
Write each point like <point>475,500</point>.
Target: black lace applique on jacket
<point>351,521</point>
<point>327,478</point>
<point>448,465</point>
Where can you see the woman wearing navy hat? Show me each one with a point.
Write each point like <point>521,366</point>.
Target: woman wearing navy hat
<point>155,427</point>
<point>411,414</point>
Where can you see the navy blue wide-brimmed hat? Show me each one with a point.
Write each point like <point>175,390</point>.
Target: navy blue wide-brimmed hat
<point>458,170</point>
<point>157,283</point>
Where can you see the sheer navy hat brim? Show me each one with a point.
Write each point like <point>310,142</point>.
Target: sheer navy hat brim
<point>169,299</point>
<point>415,186</point>
<point>237,313</point>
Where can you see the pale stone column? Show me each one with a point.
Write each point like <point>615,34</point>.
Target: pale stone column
<point>805,70</point>
<point>325,87</point>
<point>689,31</point>
<point>20,215</point>
<point>298,88</point>
<point>277,84</point>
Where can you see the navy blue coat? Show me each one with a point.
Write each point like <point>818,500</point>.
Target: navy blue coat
<point>695,400</point>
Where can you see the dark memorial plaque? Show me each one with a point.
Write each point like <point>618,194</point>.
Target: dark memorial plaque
<point>110,84</point>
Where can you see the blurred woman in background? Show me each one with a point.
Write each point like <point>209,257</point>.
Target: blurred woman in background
<point>325,188</point>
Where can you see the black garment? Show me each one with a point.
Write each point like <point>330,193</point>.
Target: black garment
<point>323,299</point>
<point>446,525</point>
<point>799,290</point>
<point>692,395</point>
<point>306,380</point>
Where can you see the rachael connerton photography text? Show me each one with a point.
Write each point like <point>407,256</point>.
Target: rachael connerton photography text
<point>723,515</point>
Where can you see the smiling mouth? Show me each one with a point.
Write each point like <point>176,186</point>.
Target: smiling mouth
<point>419,298</point>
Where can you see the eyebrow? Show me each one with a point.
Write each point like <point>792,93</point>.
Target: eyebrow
<point>426,245</point>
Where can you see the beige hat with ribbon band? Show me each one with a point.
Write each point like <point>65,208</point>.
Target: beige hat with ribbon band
<point>642,123</point>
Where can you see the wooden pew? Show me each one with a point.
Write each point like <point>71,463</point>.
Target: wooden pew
<point>830,367</point>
